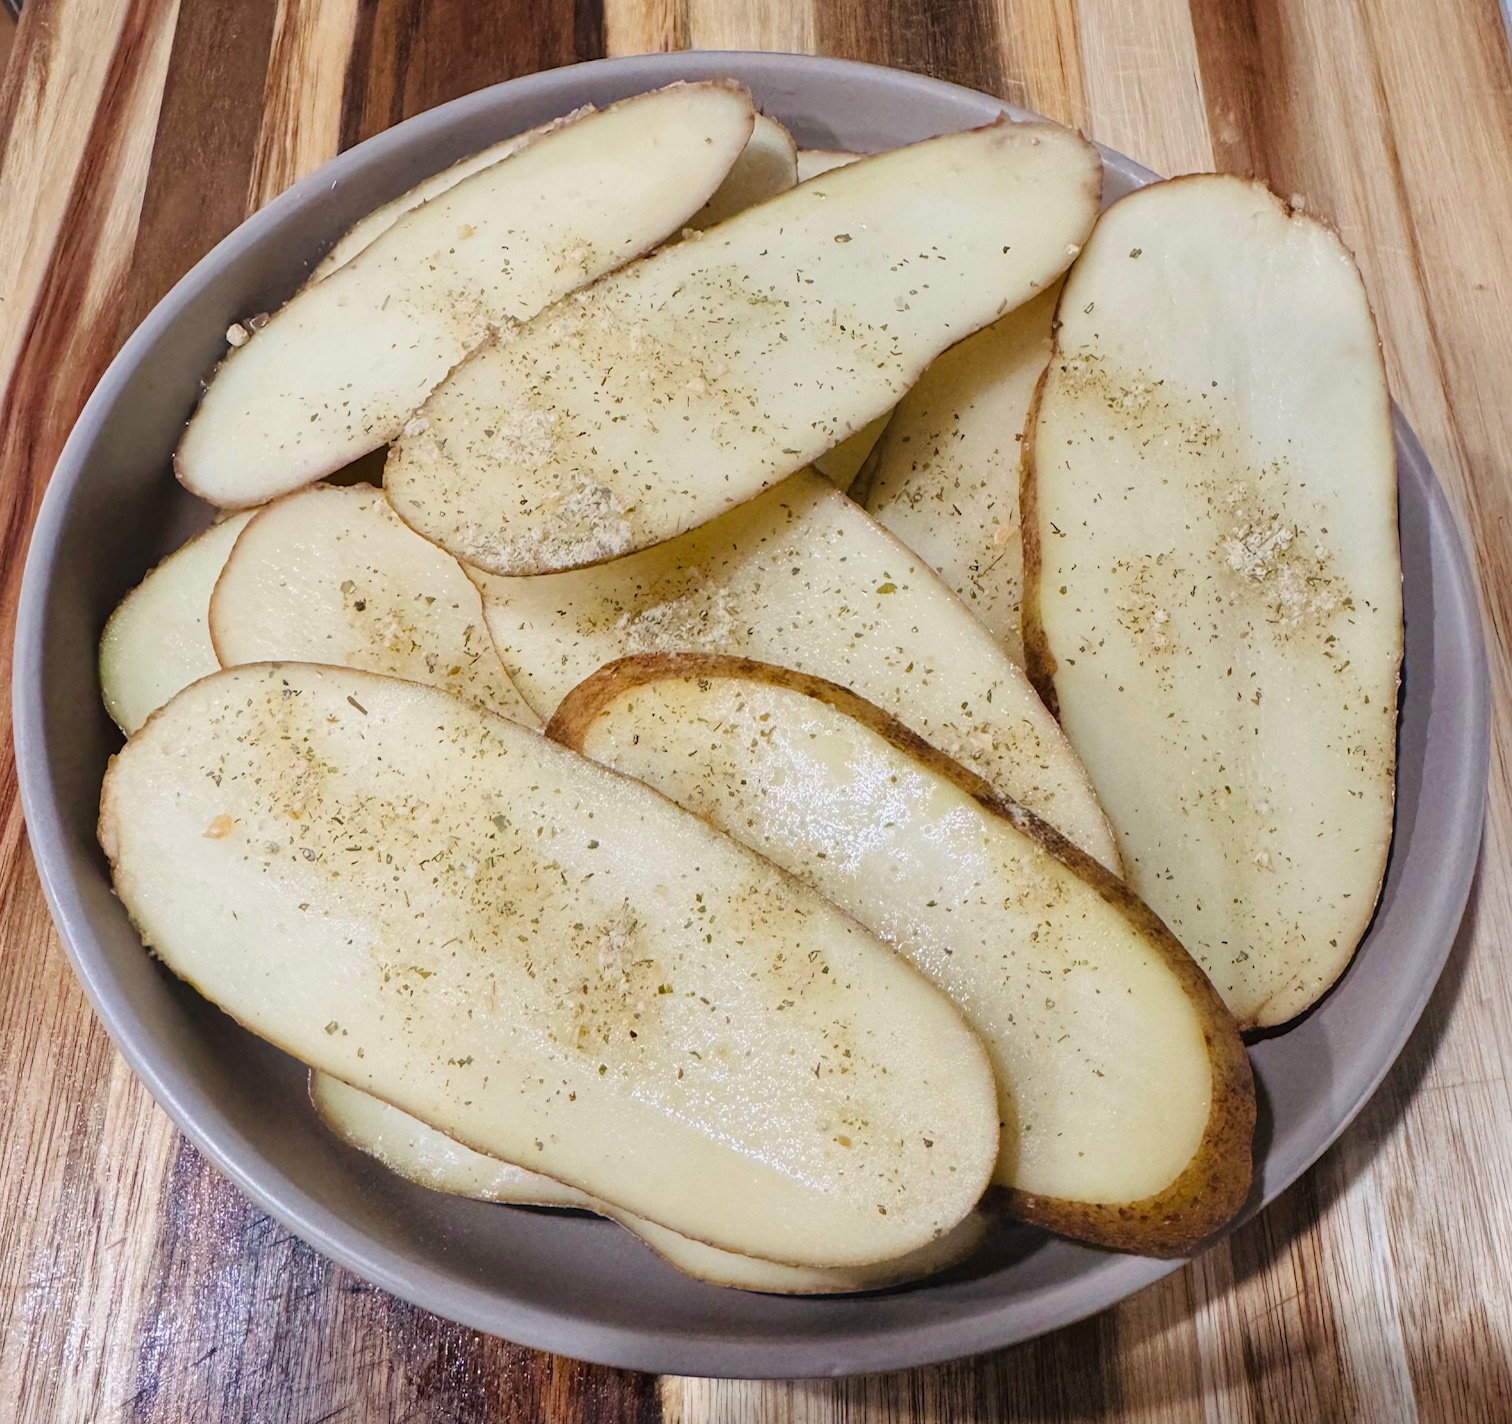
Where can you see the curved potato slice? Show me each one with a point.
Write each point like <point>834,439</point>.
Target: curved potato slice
<point>1213,582</point>
<point>693,379</point>
<point>331,575</point>
<point>801,577</point>
<point>158,639</point>
<point>767,166</point>
<point>367,229</point>
<point>341,366</point>
<point>547,961</point>
<point>408,1147</point>
<point>1125,1097</point>
<point>814,161</point>
<point>946,476</point>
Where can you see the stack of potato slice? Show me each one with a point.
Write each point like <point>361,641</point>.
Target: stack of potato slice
<point>801,927</point>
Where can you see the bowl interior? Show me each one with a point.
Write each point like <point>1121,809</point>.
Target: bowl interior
<point>576,1286</point>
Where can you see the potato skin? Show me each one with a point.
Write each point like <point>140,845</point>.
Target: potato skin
<point>1215,1185</point>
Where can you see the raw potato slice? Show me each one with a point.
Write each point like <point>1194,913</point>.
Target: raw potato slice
<point>365,230</point>
<point>767,166</point>
<point>688,382</point>
<point>841,465</point>
<point>946,476</point>
<point>407,1146</point>
<point>1125,1097</point>
<point>1213,583</point>
<point>814,161</point>
<point>158,639</point>
<point>331,575</point>
<point>548,962</point>
<point>341,366</point>
<point>802,578</point>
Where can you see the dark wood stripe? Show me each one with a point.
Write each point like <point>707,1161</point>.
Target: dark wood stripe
<point>206,138</point>
<point>1239,82</point>
<point>300,1339</point>
<point>956,40</point>
<point>410,55</point>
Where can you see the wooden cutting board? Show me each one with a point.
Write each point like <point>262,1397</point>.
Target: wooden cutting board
<point>137,1284</point>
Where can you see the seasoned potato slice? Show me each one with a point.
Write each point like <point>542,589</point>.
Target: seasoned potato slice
<point>330,575</point>
<point>1213,584</point>
<point>814,161</point>
<point>158,639</point>
<point>548,962</point>
<point>1124,1092</point>
<point>407,1146</point>
<point>946,476</point>
<point>692,379</point>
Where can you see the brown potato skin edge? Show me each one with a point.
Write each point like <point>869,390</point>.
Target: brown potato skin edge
<point>1214,1186</point>
<point>1040,664</point>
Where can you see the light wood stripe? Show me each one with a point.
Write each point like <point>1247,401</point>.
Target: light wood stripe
<point>1144,92</point>
<point>302,106</point>
<point>1039,55</point>
<point>645,26</point>
<point>752,24</point>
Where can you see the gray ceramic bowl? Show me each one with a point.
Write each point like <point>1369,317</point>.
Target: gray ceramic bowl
<point>577,1286</point>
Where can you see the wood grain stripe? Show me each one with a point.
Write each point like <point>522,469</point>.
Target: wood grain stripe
<point>303,95</point>
<point>958,42</point>
<point>752,24</point>
<point>645,26</point>
<point>410,55</point>
<point>47,107</point>
<point>207,136</point>
<point>1039,59</point>
<point>1143,87</point>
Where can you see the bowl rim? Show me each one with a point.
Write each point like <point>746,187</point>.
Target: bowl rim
<point>327,1229</point>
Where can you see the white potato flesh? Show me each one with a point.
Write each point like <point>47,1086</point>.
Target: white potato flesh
<point>548,962</point>
<point>841,465</point>
<point>1218,596</point>
<point>1099,1048</point>
<point>801,577</point>
<point>814,161</point>
<point>366,229</point>
<point>689,381</point>
<point>405,1145</point>
<point>767,166</point>
<point>946,476</point>
<point>331,575</point>
<point>341,366</point>
<point>158,639</point>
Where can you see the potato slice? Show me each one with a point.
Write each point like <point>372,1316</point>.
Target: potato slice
<point>841,465</point>
<point>802,578</point>
<point>158,639</point>
<point>339,368</point>
<point>548,962</point>
<point>691,380</point>
<point>814,161</point>
<point>1125,1097</point>
<point>767,166</point>
<point>1213,583</point>
<point>408,1147</point>
<point>367,229</point>
<point>330,575</point>
<point>946,476</point>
